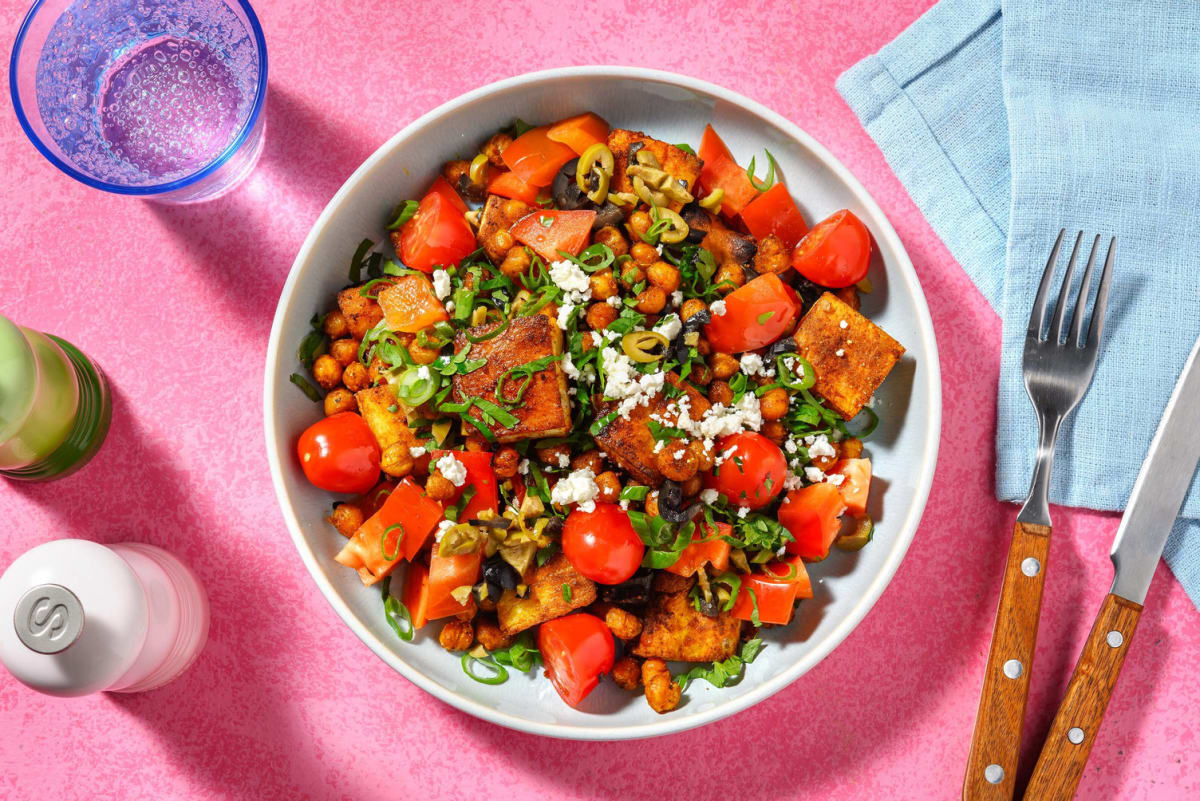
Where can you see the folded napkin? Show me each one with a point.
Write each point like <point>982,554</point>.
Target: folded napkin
<point>1006,126</point>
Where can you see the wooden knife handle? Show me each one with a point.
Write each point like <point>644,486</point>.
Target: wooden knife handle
<point>1069,742</point>
<point>996,743</point>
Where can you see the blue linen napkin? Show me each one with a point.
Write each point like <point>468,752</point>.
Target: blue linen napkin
<point>1006,125</point>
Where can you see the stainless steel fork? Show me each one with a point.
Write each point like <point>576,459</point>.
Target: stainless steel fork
<point>1057,373</point>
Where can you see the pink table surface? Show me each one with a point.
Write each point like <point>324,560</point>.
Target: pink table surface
<point>176,304</point>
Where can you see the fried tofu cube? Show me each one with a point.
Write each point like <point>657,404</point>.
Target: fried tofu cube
<point>499,214</point>
<point>674,630</point>
<point>385,416</point>
<point>556,589</point>
<point>850,354</point>
<point>679,164</point>
<point>361,313</point>
<point>627,438</point>
<point>545,408</point>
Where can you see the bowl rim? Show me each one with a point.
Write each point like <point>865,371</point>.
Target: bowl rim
<point>902,269</point>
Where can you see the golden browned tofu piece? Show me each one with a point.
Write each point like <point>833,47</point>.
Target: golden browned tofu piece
<point>627,438</point>
<point>678,163</point>
<point>361,313</point>
<point>547,598</point>
<point>385,416</point>
<point>674,630</point>
<point>499,214</point>
<point>850,354</point>
<point>545,408</point>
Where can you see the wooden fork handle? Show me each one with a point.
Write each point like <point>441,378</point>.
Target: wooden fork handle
<point>996,743</point>
<point>1069,742</point>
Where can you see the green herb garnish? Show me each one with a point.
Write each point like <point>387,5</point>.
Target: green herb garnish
<point>305,387</point>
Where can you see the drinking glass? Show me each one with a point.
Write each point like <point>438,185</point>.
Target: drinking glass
<point>159,99</point>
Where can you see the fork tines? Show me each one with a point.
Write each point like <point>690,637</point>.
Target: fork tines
<point>1038,316</point>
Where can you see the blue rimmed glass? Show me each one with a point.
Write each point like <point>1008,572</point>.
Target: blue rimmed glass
<point>159,99</point>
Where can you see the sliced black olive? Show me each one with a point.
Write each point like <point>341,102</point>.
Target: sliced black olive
<point>782,346</point>
<point>498,523</point>
<point>501,574</point>
<point>476,193</point>
<point>709,608</point>
<point>607,214</point>
<point>696,322</point>
<point>553,526</point>
<point>742,249</point>
<point>698,221</point>
<point>633,151</point>
<point>807,290</point>
<point>635,590</point>
<point>566,192</point>
<point>670,502</point>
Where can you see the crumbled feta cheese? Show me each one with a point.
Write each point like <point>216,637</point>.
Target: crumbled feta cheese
<point>792,481</point>
<point>717,307</point>
<point>423,372</point>
<point>577,487</point>
<point>569,366</point>
<point>677,297</point>
<point>669,326</point>
<point>597,340</point>
<point>626,384</point>
<point>840,352</point>
<point>452,470</point>
<point>678,455</point>
<point>614,301</point>
<point>571,279</point>
<point>752,364</point>
<point>709,496</point>
<point>790,445</point>
<point>835,479</point>
<point>843,324</point>
<point>441,284</point>
<point>450,306</point>
<point>820,447</point>
<point>625,505</point>
<point>659,248</point>
<point>564,314</point>
<point>563,460</point>
<point>442,528</point>
<point>814,474</point>
<point>523,467</point>
<point>416,451</point>
<point>743,511</point>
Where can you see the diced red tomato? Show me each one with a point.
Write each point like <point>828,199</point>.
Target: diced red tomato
<point>602,544</point>
<point>339,454</point>
<point>857,485</point>
<point>535,158</point>
<point>707,548</point>
<point>407,518</point>
<point>813,516</point>
<point>774,212</point>
<point>720,171</point>
<point>579,133</point>
<point>576,650</point>
<point>409,304</point>
<point>836,252</point>
<point>548,232</point>
<point>793,571</point>
<point>755,315</point>
<point>442,187</point>
<point>481,477</point>
<point>415,595</point>
<point>752,471</point>
<point>507,184</point>
<point>446,574</point>
<point>774,599</point>
<point>437,235</point>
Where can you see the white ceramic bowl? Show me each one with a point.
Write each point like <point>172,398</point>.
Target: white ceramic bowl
<point>674,108</point>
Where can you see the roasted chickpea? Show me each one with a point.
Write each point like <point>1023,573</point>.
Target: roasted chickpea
<point>662,693</point>
<point>344,350</point>
<point>824,462</point>
<point>515,263</point>
<point>495,148</point>
<point>691,307</point>
<point>703,347</point>
<point>340,400</point>
<point>396,461</point>
<point>469,614</point>
<point>627,673</point>
<point>701,374</point>
<point>475,443</point>
<point>772,256</point>
<point>720,392</point>
<point>457,635</point>
<point>850,448</point>
<point>704,456</point>
<point>490,636</point>
<point>651,300</point>
<point>501,241</point>
<point>438,487</point>
<point>651,504</point>
<point>775,431</point>
<point>624,625</point>
<point>729,277</point>
<point>549,310</point>
<point>487,605</point>
<point>773,403</point>
<point>335,325</point>
<point>346,518</point>
<point>589,460</point>
<point>677,462</point>
<point>691,488</point>
<point>504,463</point>
<point>376,370</point>
<point>355,377</point>
<point>609,235</point>
<point>603,284</point>
<point>514,209</point>
<point>723,365</point>
<point>423,355</point>
<point>327,372</point>
<point>609,485</point>
<point>453,170</point>
<point>555,456</point>
<point>663,275</point>
<point>600,316</point>
<point>639,224</point>
<point>643,255</point>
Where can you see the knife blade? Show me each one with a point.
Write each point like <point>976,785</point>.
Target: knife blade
<point>1160,488</point>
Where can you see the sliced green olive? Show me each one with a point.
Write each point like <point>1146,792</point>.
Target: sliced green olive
<point>640,346</point>
<point>647,193</point>
<point>623,198</point>
<point>647,158</point>
<point>596,160</point>
<point>863,532</point>
<point>660,181</point>
<point>459,539</point>
<point>678,229</point>
<point>441,429</point>
<point>713,201</point>
<point>478,169</point>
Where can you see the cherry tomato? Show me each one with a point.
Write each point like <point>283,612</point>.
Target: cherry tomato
<point>579,133</point>
<point>707,548</point>
<point>547,232</point>
<point>576,649</point>
<point>720,171</point>
<point>396,532</point>
<point>535,158</point>
<point>409,304</point>
<point>835,253</point>
<point>857,485</point>
<point>752,471</point>
<point>602,545</point>
<point>446,574</point>
<point>340,454</point>
<point>437,235</point>
<point>813,516</point>
<point>774,212</point>
<point>774,600</point>
<point>755,315</point>
<point>507,184</point>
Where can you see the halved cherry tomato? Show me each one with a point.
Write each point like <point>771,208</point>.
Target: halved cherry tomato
<point>813,516</point>
<point>755,315</point>
<point>446,574</point>
<point>442,187</point>
<point>774,212</point>
<point>720,171</point>
<point>548,232</point>
<point>602,544</point>
<point>340,454</point>
<point>507,184</point>
<point>752,470</point>
<point>437,235</point>
<point>792,571</point>
<point>576,649</point>
<point>415,594</point>
<point>836,252</point>
<point>857,485</point>
<point>480,476</point>
<point>535,158</point>
<point>714,552</point>
<point>774,599</point>
<point>579,133</point>
<point>398,531</point>
<point>409,304</point>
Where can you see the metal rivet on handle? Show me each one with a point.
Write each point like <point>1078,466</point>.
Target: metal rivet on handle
<point>1013,669</point>
<point>994,774</point>
<point>1030,566</point>
<point>1115,639</point>
<point>1075,735</point>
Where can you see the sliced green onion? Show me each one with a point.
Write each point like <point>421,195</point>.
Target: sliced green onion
<point>415,389</point>
<point>396,613</point>
<point>383,542</point>
<point>402,214</point>
<point>769,181</point>
<point>356,262</point>
<point>869,428</point>
<point>788,378</point>
<point>475,340</point>
<point>499,673</point>
<point>305,387</point>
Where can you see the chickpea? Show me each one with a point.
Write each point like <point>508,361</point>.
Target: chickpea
<point>720,392</point>
<point>457,635</point>
<point>550,310</point>
<point>664,275</point>
<point>609,235</point>
<point>603,284</point>
<point>504,463</point>
<point>643,255</point>
<point>340,400</point>
<point>651,504</point>
<point>729,277</point>
<point>335,325</point>
<point>824,462</point>
<point>775,431</point>
<point>453,170</point>
<point>850,448</point>
<point>475,443</point>
<point>515,263</point>
<point>677,462</point>
<point>589,460</point>
<point>501,241</point>
<point>662,693</point>
<point>396,461</point>
<point>703,347</point>
<point>514,209</point>
<point>346,518</point>
<point>376,370</point>
<point>639,223</point>
<point>773,403</point>
<point>627,673</point>
<point>600,316</point>
<point>423,355</point>
<point>344,350</point>
<point>609,485</point>
<point>691,307</point>
<point>691,488</point>
<point>651,300</point>
<point>490,636</point>
<point>701,375</point>
<point>327,372</point>
<point>487,605</point>
<point>495,148</point>
<point>469,614</point>
<point>355,377</point>
<point>438,487</point>
<point>704,456</point>
<point>772,256</point>
<point>723,365</point>
<point>555,455</point>
<point>624,625</point>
